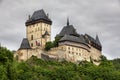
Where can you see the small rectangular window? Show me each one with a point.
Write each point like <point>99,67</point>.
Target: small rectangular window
<point>72,48</point>
<point>69,51</point>
<point>72,52</point>
<point>76,53</point>
<point>31,44</point>
<point>31,37</point>
<point>68,47</point>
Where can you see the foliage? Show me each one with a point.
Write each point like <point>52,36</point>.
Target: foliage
<point>37,69</point>
<point>50,44</point>
<point>55,42</point>
<point>5,55</point>
<point>116,63</point>
<point>103,58</point>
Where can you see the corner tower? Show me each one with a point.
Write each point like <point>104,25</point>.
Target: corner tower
<point>38,29</point>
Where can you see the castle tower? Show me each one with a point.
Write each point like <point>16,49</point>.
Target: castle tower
<point>38,29</point>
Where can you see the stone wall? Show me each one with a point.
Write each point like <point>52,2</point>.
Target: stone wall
<point>24,54</point>
<point>34,34</point>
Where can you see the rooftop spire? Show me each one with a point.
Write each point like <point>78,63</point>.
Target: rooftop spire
<point>97,40</point>
<point>67,21</point>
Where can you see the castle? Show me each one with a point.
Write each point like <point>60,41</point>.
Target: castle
<point>71,47</point>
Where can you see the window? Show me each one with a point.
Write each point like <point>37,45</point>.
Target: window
<point>68,47</point>
<point>72,52</point>
<point>79,54</point>
<point>69,51</point>
<point>72,48</point>
<point>76,49</point>
<point>76,53</point>
<point>31,37</point>
<point>31,44</point>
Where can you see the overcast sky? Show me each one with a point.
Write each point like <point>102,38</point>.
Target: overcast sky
<point>93,17</point>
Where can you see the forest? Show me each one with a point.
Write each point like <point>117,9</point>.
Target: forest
<point>38,69</point>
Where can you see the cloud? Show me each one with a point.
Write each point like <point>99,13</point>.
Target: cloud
<point>0,1</point>
<point>100,17</point>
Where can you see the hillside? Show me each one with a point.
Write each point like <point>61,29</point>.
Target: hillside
<point>37,69</point>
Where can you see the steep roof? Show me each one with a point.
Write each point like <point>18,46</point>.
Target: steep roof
<point>68,30</point>
<point>93,42</point>
<point>91,39</point>
<point>97,40</point>
<point>39,15</point>
<point>25,44</point>
<point>46,33</point>
<point>73,39</point>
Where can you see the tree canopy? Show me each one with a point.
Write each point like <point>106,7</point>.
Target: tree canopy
<point>38,69</point>
<point>50,44</point>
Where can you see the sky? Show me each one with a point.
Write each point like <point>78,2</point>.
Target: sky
<point>101,17</point>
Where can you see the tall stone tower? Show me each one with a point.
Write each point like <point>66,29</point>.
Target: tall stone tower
<point>38,29</point>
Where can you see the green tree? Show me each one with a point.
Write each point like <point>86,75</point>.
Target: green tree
<point>48,46</point>
<point>3,73</point>
<point>5,55</point>
<point>55,42</point>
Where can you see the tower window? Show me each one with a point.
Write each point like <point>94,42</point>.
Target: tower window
<point>69,48</point>
<point>31,44</point>
<point>72,48</point>
<point>31,37</point>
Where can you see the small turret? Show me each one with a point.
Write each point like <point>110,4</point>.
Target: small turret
<point>97,40</point>
<point>67,21</point>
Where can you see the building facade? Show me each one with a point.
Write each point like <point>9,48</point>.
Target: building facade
<point>72,46</point>
<point>38,29</point>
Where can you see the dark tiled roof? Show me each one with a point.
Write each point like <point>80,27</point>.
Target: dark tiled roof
<point>93,42</point>
<point>98,41</point>
<point>91,39</point>
<point>73,39</point>
<point>39,15</point>
<point>68,30</point>
<point>46,33</point>
<point>25,44</point>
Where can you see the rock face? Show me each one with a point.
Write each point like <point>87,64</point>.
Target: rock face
<point>72,46</point>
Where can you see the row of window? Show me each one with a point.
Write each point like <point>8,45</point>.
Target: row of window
<point>75,49</point>
<point>37,24</point>
<point>37,44</point>
<point>32,37</point>
<point>72,48</point>
<point>38,29</point>
<point>73,53</point>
